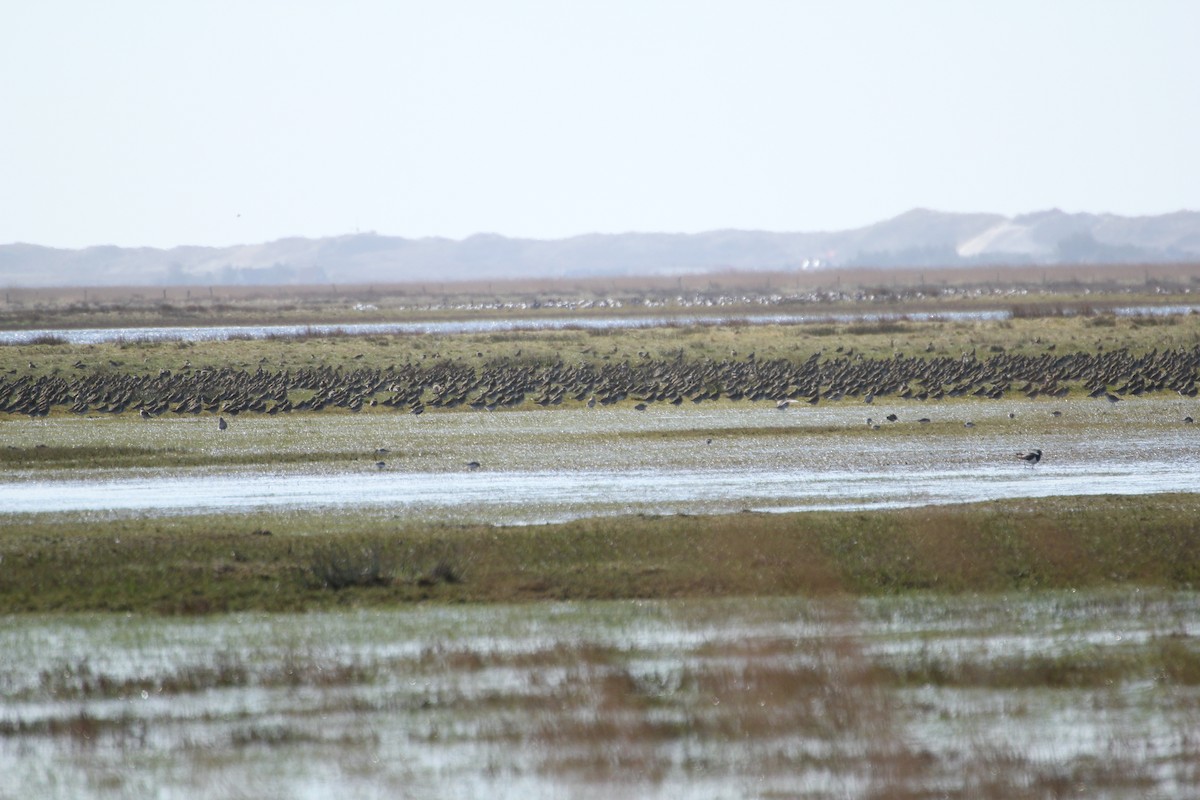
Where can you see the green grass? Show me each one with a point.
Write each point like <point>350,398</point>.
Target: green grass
<point>266,562</point>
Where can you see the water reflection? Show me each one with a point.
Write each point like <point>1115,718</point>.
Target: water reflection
<point>515,497</point>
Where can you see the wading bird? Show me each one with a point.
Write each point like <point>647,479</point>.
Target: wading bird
<point>1030,458</point>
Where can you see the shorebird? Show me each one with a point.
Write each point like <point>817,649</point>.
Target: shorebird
<point>222,424</point>
<point>1030,458</point>
<point>472,465</point>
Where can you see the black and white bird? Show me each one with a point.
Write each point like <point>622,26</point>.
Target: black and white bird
<point>1030,458</point>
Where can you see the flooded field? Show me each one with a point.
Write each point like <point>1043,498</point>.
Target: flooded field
<point>1047,695</point>
<point>1040,694</point>
<point>522,467</point>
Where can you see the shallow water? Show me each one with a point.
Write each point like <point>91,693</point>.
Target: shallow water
<point>221,332</point>
<point>531,497</point>
<point>709,699</point>
<point>538,466</point>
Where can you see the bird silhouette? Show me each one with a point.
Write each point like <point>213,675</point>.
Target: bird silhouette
<point>222,424</point>
<point>1031,458</point>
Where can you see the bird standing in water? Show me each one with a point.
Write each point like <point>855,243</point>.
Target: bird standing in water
<point>1030,458</point>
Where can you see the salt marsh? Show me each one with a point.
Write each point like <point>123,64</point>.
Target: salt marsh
<point>1000,696</point>
<point>523,467</point>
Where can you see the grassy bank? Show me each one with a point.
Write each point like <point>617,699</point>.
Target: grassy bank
<point>1025,336</point>
<point>299,561</point>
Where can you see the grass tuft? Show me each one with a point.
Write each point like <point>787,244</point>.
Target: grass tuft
<point>338,567</point>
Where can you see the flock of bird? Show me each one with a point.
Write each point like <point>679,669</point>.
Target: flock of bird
<point>507,383</point>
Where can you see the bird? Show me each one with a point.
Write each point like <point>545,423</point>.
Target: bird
<point>472,465</point>
<point>892,418</point>
<point>380,464</point>
<point>1031,458</point>
<point>222,424</point>
<point>1188,420</point>
<point>145,414</point>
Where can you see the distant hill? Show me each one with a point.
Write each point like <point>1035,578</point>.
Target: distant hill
<point>916,238</point>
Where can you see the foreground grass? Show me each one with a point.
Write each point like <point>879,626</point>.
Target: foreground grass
<point>299,561</point>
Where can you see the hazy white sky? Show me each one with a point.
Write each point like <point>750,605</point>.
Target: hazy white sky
<point>165,123</point>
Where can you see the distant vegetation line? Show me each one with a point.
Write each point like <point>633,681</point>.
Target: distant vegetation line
<point>728,293</point>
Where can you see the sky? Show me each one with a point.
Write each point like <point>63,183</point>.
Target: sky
<point>218,123</point>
